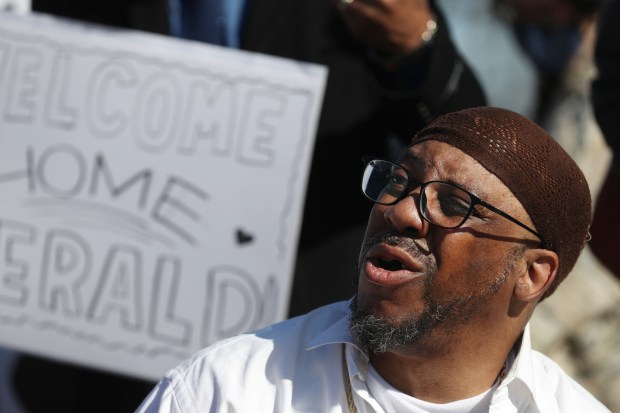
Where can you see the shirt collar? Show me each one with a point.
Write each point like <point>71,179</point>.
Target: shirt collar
<point>521,373</point>
<point>521,368</point>
<point>336,333</point>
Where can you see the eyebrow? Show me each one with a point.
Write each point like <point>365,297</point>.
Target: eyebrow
<point>409,157</point>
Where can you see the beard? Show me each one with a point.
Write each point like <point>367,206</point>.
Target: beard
<point>379,334</point>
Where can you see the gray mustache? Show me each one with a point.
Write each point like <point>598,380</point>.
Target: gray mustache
<point>409,245</point>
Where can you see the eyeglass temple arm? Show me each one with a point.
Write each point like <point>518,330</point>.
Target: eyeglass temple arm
<point>508,217</point>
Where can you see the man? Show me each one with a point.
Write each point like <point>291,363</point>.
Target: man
<point>481,218</point>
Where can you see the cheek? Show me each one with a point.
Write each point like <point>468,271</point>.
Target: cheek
<point>464,262</point>
<point>374,225</point>
<point>376,219</point>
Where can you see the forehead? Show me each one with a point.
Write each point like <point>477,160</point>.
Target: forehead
<point>432,160</point>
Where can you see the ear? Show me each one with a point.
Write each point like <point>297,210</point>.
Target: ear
<point>542,266</point>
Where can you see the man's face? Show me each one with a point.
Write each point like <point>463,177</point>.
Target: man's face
<point>431,282</point>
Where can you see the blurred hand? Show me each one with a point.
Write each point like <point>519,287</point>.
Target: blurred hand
<point>388,26</point>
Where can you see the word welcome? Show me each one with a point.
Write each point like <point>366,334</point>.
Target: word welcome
<point>159,107</point>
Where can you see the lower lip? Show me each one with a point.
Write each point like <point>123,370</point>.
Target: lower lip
<point>381,276</point>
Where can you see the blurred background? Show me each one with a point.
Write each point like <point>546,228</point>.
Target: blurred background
<point>555,61</point>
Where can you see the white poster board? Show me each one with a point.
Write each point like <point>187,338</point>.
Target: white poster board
<point>151,191</point>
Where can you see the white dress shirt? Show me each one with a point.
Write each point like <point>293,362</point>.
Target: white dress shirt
<point>296,366</point>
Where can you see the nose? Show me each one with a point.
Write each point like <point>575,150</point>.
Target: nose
<point>406,218</point>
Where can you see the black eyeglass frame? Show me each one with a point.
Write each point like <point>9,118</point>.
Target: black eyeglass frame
<point>413,184</point>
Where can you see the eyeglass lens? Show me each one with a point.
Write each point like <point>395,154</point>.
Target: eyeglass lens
<point>441,203</point>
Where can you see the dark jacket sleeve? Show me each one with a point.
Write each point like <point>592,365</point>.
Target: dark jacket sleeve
<point>436,82</point>
<point>313,31</point>
<point>435,77</point>
<point>450,84</point>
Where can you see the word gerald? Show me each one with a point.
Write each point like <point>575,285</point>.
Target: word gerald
<point>161,108</point>
<point>111,287</point>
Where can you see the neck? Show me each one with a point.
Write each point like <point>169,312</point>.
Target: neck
<point>440,374</point>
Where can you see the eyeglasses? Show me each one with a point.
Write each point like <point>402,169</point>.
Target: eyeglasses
<point>441,203</point>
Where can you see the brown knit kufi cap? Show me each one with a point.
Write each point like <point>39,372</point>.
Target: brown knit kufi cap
<point>540,174</point>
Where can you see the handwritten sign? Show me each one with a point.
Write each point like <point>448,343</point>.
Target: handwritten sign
<point>150,191</point>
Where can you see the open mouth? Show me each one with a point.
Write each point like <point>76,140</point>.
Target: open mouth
<point>389,265</point>
<point>386,271</point>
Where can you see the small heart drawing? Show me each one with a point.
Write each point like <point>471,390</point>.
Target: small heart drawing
<point>244,237</point>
